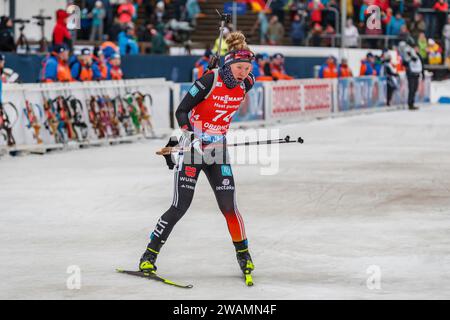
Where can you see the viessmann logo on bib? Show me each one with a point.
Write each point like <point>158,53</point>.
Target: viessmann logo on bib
<point>225,99</point>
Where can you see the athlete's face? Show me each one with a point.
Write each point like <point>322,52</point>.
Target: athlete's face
<point>241,70</point>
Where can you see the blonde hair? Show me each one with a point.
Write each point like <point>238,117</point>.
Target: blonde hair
<point>236,41</point>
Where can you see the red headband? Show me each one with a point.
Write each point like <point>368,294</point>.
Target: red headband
<point>239,56</point>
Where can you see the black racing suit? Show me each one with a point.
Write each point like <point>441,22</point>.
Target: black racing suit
<point>187,171</point>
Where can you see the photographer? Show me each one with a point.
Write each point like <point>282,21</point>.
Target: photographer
<point>414,69</point>
<point>7,43</point>
<point>392,77</point>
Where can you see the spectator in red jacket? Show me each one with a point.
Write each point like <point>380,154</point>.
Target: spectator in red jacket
<point>315,9</point>
<point>383,4</point>
<point>61,35</point>
<point>441,7</point>
<point>126,12</point>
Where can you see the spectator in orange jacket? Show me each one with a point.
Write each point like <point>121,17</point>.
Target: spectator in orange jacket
<point>55,67</point>
<point>201,65</point>
<point>344,70</point>
<point>277,68</point>
<point>99,59</point>
<point>83,69</point>
<point>114,70</point>
<point>329,69</point>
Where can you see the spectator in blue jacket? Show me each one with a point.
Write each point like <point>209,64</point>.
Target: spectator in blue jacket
<point>395,25</point>
<point>368,66</point>
<point>55,66</point>
<point>297,30</point>
<point>127,41</point>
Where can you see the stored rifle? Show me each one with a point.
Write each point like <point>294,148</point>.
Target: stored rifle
<point>6,125</point>
<point>94,118</point>
<point>144,116</point>
<point>115,124</point>
<point>77,118</point>
<point>104,116</point>
<point>123,115</point>
<point>51,122</point>
<point>133,111</point>
<point>63,114</point>
<point>60,133</point>
<point>33,121</point>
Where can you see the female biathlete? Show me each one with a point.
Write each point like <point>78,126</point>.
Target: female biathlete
<point>212,101</point>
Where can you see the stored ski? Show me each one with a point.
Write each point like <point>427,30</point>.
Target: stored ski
<point>154,276</point>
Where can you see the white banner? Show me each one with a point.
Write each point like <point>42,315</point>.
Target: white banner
<point>308,97</point>
<point>54,113</point>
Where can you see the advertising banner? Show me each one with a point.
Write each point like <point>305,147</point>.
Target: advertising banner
<point>251,109</point>
<point>60,113</point>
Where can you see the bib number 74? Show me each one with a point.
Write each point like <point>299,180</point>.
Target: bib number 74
<point>222,113</point>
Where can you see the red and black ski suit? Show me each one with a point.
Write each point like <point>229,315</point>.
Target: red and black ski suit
<point>211,110</point>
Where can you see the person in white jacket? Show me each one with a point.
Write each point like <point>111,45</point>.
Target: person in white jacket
<point>446,35</point>
<point>351,34</point>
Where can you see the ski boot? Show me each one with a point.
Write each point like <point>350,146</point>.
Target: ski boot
<point>147,262</point>
<point>246,265</point>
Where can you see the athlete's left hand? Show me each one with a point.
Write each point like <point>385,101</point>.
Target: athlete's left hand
<point>190,140</point>
<point>213,62</point>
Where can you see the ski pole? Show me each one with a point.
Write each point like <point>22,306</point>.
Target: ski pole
<point>173,149</point>
<point>287,139</point>
<point>215,61</point>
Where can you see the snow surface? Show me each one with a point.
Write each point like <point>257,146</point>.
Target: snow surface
<point>367,190</point>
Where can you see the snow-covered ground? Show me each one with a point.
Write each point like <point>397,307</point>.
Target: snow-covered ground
<point>363,204</point>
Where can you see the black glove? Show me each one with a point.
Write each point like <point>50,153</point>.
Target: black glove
<point>173,141</point>
<point>213,62</point>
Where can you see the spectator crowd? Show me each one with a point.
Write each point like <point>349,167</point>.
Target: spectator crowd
<point>316,23</point>
<point>164,22</point>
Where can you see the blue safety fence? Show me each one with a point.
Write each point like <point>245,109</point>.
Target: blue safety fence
<point>172,68</point>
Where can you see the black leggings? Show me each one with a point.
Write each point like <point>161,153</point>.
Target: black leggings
<point>220,178</point>
<point>413,85</point>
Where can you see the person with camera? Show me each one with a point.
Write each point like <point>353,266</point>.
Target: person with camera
<point>392,77</point>
<point>414,69</point>
<point>7,43</point>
